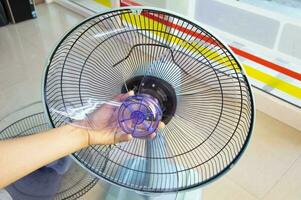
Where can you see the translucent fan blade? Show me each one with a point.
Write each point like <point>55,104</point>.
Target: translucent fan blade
<point>199,86</point>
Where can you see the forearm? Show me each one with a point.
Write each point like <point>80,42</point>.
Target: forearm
<point>21,156</point>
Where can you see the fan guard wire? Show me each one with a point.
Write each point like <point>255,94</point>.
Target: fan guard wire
<point>215,110</point>
<point>31,120</point>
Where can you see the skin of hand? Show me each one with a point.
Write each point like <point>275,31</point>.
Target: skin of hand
<point>21,156</point>
<point>102,125</point>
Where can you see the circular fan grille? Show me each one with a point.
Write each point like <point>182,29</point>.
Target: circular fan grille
<point>73,184</point>
<point>214,113</point>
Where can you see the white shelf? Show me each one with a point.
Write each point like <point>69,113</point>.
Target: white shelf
<point>83,7</point>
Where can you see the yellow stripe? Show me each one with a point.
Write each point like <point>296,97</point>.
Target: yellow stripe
<point>147,23</point>
<point>106,3</point>
<point>194,47</point>
<point>142,22</point>
<point>273,81</point>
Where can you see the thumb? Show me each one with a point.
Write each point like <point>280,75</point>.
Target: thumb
<point>122,137</point>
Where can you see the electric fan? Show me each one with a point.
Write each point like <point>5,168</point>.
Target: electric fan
<point>63,179</point>
<point>181,74</point>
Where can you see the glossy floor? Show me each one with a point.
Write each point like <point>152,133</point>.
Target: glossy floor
<point>269,169</point>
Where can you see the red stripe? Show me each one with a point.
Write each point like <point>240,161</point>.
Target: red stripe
<point>170,24</point>
<point>267,63</point>
<point>237,51</point>
<point>182,29</point>
<point>129,3</point>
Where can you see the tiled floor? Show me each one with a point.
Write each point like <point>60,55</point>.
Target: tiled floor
<point>269,169</point>
<point>25,48</point>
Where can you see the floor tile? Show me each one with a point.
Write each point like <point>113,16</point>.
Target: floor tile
<point>225,189</point>
<point>25,48</point>
<point>273,148</point>
<point>289,187</point>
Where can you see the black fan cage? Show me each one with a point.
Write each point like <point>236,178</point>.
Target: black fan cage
<point>214,114</point>
<point>75,183</point>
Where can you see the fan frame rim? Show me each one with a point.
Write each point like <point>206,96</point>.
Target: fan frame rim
<point>22,114</point>
<point>193,22</point>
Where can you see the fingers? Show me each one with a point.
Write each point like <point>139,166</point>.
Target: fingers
<point>161,125</point>
<point>153,135</point>
<point>131,93</point>
<point>122,137</point>
<point>119,98</point>
<point>126,95</point>
<point>122,97</point>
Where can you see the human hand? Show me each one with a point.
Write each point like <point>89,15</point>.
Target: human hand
<point>102,127</point>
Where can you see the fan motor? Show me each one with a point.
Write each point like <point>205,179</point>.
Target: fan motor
<point>157,88</point>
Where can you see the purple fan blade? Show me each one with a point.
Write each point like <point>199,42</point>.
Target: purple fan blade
<point>139,115</point>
